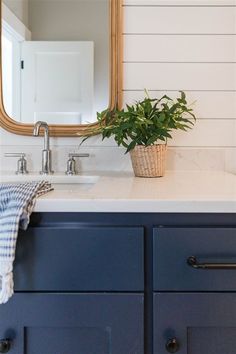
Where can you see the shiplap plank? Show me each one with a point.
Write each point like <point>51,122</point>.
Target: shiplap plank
<point>208,133</point>
<point>180,2</point>
<point>182,48</point>
<point>208,105</point>
<point>180,20</point>
<point>179,76</point>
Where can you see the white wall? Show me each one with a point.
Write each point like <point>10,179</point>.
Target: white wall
<point>172,45</point>
<point>19,8</point>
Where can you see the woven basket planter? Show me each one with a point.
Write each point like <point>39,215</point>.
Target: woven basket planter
<point>149,161</point>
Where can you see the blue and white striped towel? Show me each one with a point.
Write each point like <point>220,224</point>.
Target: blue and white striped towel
<point>16,205</point>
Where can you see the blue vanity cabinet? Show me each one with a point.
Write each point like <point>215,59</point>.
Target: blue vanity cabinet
<point>79,288</point>
<point>62,323</point>
<point>194,323</point>
<point>115,283</point>
<point>194,298</point>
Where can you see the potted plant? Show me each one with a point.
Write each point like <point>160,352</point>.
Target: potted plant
<point>144,128</point>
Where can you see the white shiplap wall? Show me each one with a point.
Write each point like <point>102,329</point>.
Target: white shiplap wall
<point>190,46</point>
<point>171,45</point>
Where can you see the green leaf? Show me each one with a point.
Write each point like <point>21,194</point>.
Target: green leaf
<point>144,122</point>
<point>131,146</point>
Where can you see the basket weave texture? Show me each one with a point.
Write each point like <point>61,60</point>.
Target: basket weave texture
<point>149,161</point>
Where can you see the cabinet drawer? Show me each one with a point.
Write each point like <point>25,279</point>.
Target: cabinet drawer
<point>200,323</point>
<point>214,250</point>
<point>79,259</point>
<point>73,323</point>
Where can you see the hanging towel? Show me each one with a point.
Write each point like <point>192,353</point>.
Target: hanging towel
<point>16,205</point>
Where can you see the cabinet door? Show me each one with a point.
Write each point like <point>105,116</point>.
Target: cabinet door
<point>200,323</point>
<point>74,324</point>
<point>66,257</point>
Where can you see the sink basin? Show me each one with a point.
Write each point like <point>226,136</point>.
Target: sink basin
<point>59,181</point>
<point>73,183</point>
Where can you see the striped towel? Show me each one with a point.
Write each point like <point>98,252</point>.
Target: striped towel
<point>16,205</point>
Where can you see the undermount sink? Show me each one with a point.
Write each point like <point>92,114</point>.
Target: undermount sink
<point>59,181</point>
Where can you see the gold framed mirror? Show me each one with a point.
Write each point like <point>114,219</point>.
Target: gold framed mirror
<point>114,71</point>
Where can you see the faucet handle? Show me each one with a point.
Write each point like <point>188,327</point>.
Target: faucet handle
<point>72,155</point>
<point>21,163</point>
<point>71,164</point>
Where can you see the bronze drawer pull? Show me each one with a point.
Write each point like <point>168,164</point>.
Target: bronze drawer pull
<point>192,261</point>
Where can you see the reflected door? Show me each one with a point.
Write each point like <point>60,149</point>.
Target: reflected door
<point>57,81</point>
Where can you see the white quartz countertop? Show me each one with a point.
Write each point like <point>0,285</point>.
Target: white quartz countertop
<point>177,192</point>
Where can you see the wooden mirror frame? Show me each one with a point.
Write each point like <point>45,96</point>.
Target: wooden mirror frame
<point>115,99</point>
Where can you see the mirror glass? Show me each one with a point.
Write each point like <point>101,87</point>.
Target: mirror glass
<point>55,60</point>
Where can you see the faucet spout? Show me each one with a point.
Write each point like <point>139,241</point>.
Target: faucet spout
<point>37,127</point>
<point>46,153</point>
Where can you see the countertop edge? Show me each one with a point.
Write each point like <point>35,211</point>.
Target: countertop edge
<point>135,206</point>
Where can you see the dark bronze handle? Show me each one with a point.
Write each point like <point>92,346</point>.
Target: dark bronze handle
<point>193,262</point>
<point>5,345</point>
<point>172,345</point>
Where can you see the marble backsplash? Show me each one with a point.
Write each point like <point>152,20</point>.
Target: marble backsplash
<point>106,156</point>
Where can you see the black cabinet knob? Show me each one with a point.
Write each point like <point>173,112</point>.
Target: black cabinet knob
<point>5,345</point>
<point>172,345</point>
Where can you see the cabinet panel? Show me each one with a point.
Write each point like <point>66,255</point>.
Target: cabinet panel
<point>73,323</point>
<point>173,247</point>
<point>60,340</point>
<point>201,323</point>
<point>80,259</point>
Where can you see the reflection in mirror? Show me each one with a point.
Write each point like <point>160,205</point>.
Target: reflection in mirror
<point>55,60</point>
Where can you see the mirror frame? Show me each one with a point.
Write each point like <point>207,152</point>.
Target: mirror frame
<point>115,81</point>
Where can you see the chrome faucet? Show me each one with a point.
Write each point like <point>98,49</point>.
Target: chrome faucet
<point>46,153</point>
